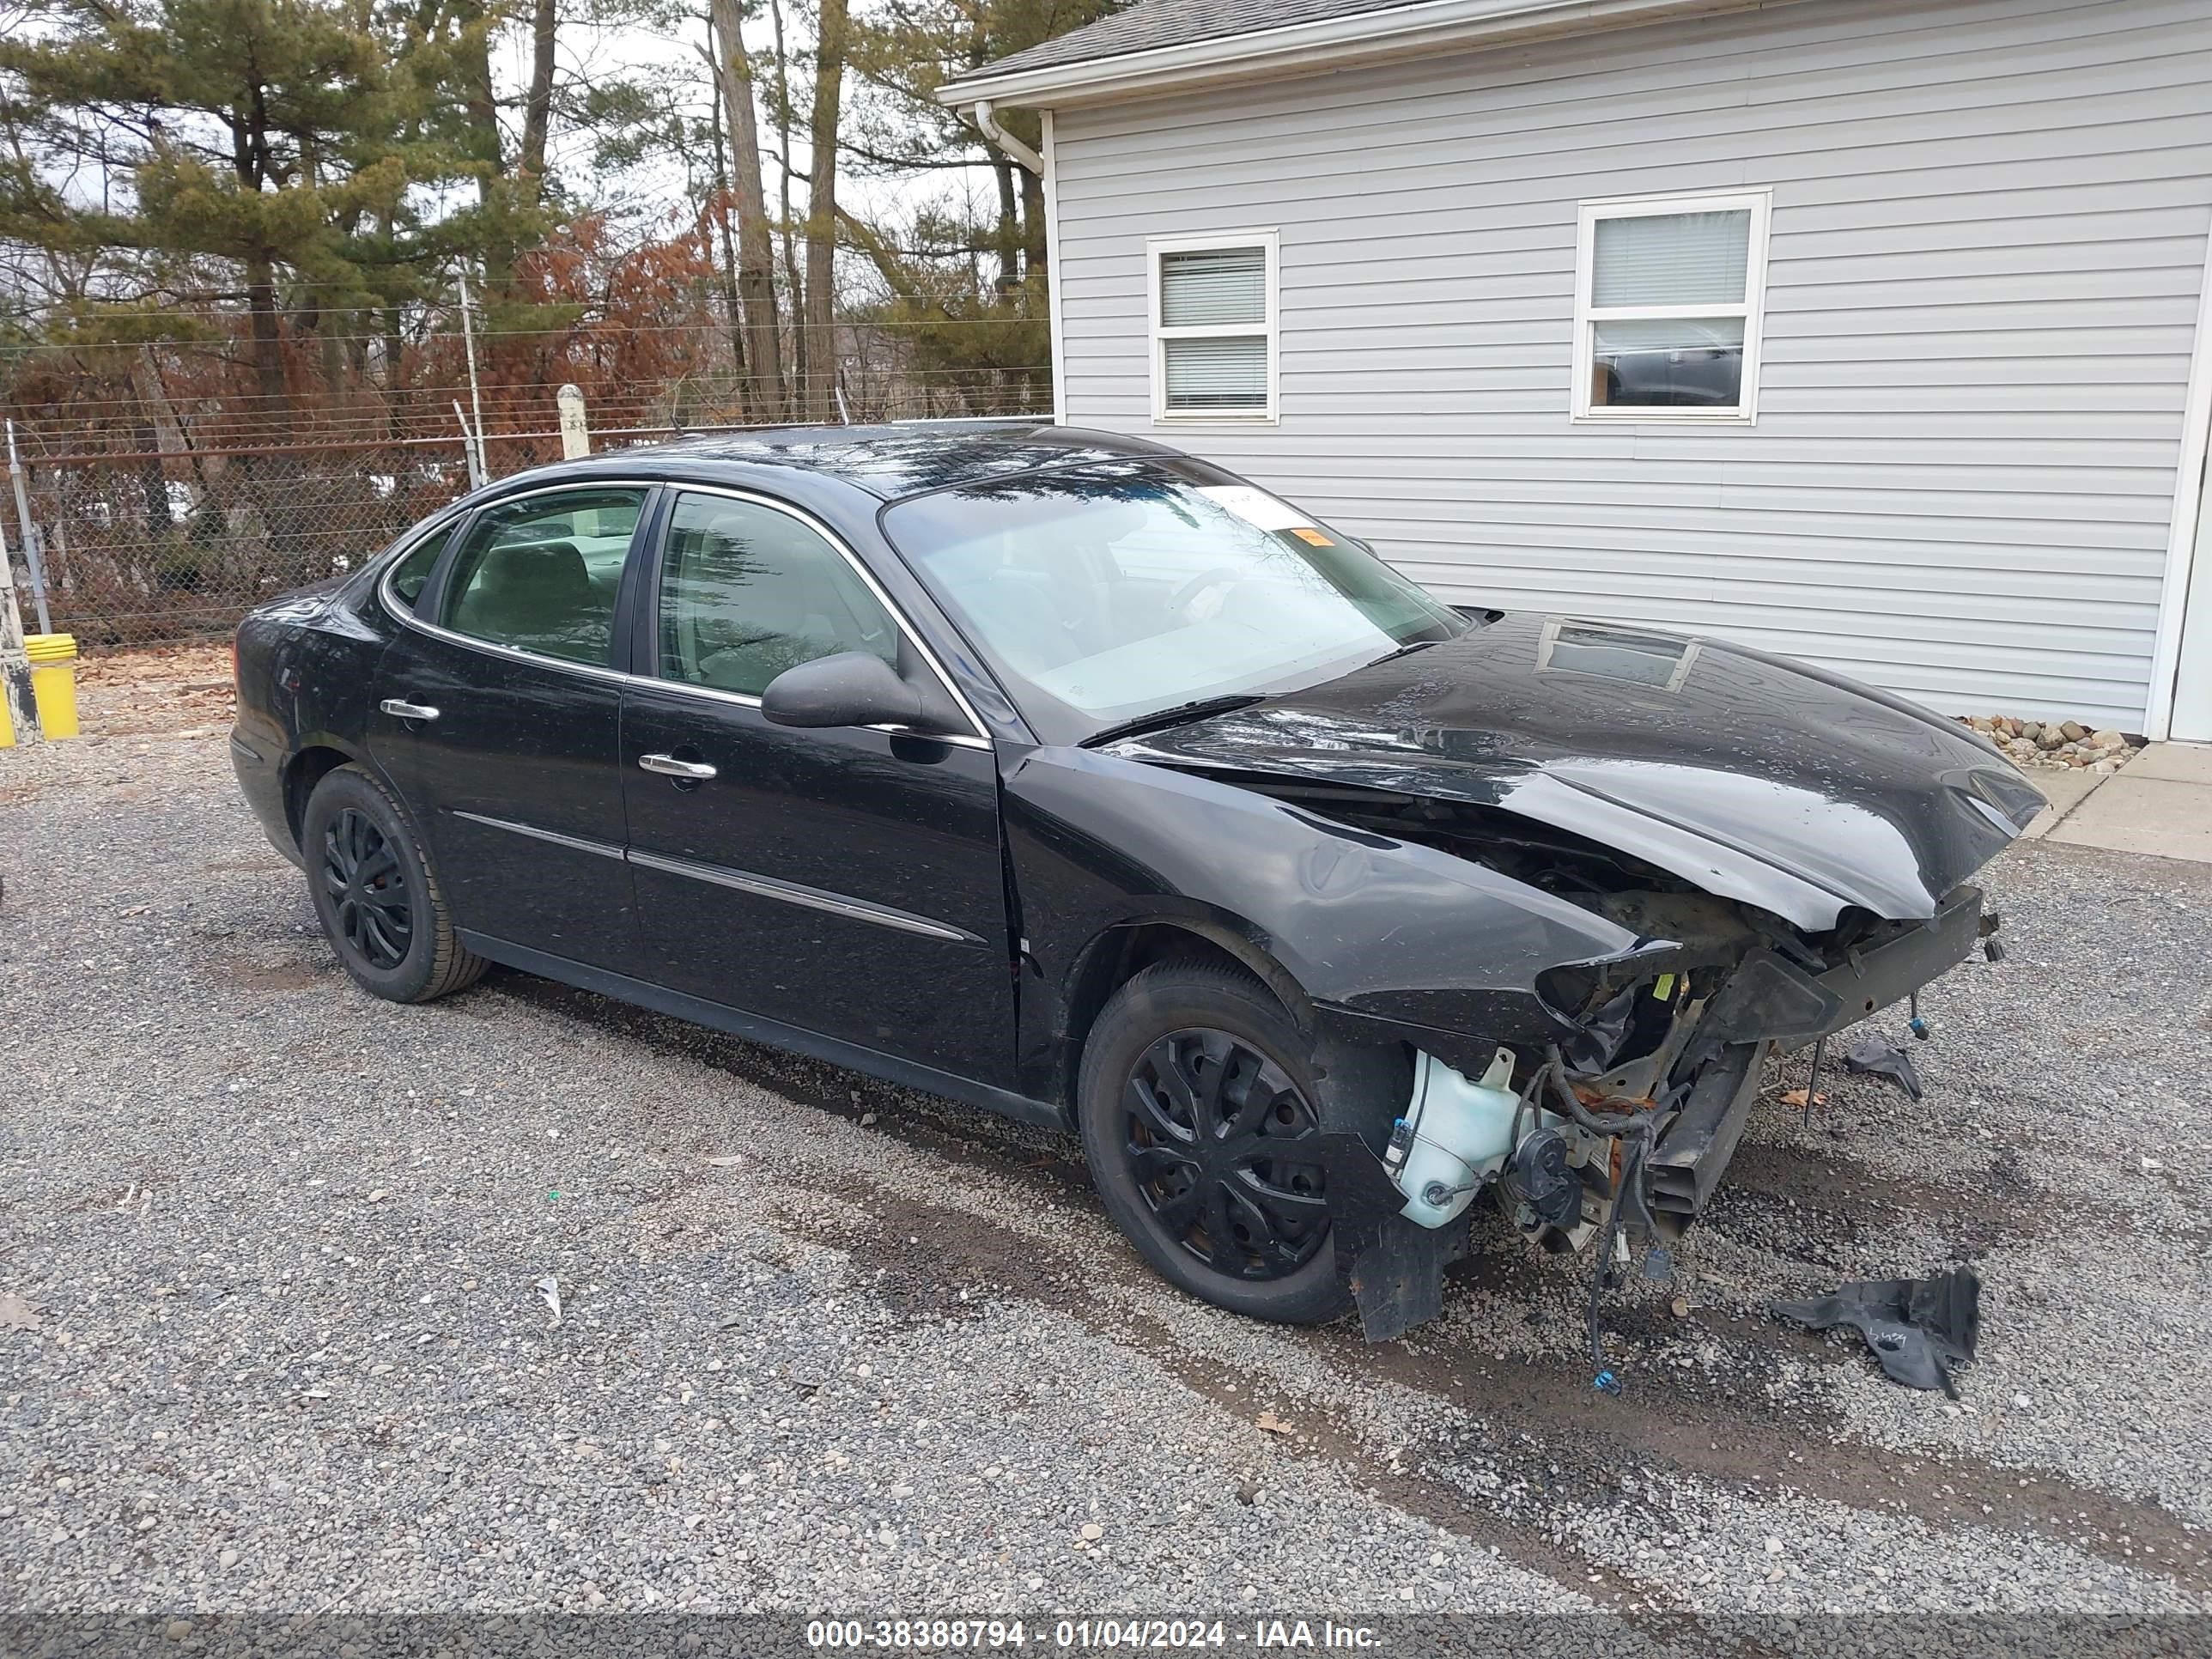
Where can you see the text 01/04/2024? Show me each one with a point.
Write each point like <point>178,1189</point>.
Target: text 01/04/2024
<point>943,1634</point>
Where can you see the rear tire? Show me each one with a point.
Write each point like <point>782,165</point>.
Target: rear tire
<point>1199,1103</point>
<point>373,891</point>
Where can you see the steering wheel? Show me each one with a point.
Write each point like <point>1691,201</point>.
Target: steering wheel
<point>1179,600</point>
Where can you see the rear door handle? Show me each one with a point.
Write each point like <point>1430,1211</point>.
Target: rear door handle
<point>403,710</point>
<point>669,767</point>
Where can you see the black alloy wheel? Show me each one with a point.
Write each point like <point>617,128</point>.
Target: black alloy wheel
<point>1219,1141</point>
<point>375,894</point>
<point>1204,1107</point>
<point>368,884</point>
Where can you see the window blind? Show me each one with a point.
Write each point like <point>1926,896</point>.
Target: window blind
<point>1672,258</point>
<point>1229,373</point>
<point>1208,288</point>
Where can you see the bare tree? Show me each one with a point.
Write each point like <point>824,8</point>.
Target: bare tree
<point>755,253</point>
<point>719,134</point>
<point>538,105</point>
<point>819,315</point>
<point>785,221</point>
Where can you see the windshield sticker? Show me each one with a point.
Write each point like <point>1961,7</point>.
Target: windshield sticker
<point>1256,507</point>
<point>1310,537</point>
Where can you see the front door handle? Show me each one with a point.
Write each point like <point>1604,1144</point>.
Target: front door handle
<point>669,767</point>
<point>405,710</point>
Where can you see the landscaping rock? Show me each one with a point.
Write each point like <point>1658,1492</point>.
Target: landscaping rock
<point>2067,743</point>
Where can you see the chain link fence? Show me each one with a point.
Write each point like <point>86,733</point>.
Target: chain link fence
<point>146,548</point>
<point>152,524</point>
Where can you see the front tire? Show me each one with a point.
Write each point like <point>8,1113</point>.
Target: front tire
<point>375,894</point>
<point>1201,1108</point>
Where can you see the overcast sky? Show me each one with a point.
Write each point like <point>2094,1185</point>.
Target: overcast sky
<point>588,52</point>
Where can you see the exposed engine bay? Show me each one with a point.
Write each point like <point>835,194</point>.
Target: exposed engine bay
<point>1611,1133</point>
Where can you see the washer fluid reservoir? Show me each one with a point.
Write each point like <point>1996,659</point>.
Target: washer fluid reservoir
<point>1454,1136</point>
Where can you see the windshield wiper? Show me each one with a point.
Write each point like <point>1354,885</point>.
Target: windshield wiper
<point>1179,715</point>
<point>1403,651</point>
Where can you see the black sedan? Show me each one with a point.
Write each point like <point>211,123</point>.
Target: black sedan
<point>1062,774</point>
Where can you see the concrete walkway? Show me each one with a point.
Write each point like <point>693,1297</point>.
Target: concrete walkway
<point>2159,803</point>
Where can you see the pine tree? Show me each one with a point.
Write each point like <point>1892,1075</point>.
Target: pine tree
<point>253,133</point>
<point>904,50</point>
<point>992,343</point>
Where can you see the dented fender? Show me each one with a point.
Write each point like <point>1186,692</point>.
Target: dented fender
<point>1371,929</point>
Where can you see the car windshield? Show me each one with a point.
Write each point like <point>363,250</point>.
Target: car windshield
<point>1106,593</point>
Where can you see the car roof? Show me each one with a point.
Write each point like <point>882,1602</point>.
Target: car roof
<point>885,462</point>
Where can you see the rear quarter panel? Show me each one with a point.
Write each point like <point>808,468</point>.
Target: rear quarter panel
<point>305,669</point>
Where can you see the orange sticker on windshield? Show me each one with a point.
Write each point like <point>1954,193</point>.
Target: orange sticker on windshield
<point>1310,537</point>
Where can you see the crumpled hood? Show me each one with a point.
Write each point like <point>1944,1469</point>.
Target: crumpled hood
<point>1781,784</point>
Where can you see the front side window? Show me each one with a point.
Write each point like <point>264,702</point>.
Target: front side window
<point>747,591</point>
<point>541,573</point>
<point>1213,326</point>
<point>1668,303</point>
<point>1104,594</point>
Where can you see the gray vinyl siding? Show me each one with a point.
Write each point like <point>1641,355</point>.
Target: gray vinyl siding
<point>1989,233</point>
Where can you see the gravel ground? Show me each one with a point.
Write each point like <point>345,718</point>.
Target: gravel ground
<point>824,1344</point>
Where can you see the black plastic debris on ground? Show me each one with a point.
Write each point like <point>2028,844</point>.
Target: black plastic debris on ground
<point>1919,1328</point>
<point>1870,1056</point>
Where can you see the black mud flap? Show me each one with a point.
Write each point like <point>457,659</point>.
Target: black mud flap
<point>1919,1328</point>
<point>1394,1268</point>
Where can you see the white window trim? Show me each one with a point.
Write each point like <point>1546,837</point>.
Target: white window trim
<point>1271,329</point>
<point>1753,310</point>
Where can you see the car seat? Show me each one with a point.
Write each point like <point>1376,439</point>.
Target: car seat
<point>539,596</point>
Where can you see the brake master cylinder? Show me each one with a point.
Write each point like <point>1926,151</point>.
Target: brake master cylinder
<point>1455,1136</point>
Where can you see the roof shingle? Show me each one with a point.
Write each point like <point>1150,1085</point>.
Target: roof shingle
<point>1150,24</point>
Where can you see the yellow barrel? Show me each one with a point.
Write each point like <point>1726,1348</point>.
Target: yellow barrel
<point>53,681</point>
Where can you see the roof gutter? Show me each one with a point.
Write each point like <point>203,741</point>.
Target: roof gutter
<point>1007,143</point>
<point>1325,45</point>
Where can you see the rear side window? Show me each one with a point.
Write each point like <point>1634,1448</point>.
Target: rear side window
<point>747,591</point>
<point>541,575</point>
<point>414,567</point>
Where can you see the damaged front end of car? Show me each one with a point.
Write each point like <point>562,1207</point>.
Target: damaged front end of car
<point>1588,921</point>
<point>1610,1132</point>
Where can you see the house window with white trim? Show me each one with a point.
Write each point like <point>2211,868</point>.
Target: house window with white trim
<point>1668,295</point>
<point>1213,326</point>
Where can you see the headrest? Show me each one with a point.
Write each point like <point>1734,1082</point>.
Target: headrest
<point>546,572</point>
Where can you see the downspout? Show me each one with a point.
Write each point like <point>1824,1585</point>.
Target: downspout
<point>987,119</point>
<point>1022,153</point>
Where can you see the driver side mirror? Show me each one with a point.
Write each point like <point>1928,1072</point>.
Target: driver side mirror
<point>853,688</point>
